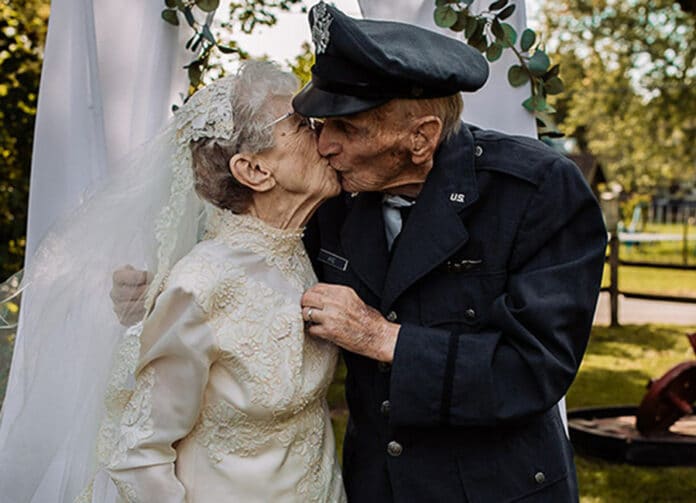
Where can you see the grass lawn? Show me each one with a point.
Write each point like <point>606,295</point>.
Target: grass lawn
<point>617,366</point>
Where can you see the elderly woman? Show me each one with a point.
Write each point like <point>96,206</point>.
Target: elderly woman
<point>217,394</point>
<point>229,401</point>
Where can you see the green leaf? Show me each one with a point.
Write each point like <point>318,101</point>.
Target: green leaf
<point>466,2</point>
<point>527,40</point>
<point>531,103</point>
<point>497,29</point>
<point>537,104</point>
<point>438,3</point>
<point>479,43</point>
<point>170,4</point>
<point>553,72</point>
<point>517,76</point>
<point>462,20</point>
<point>494,52</point>
<point>208,5</point>
<point>553,86</point>
<point>470,28</point>
<point>510,34</point>
<point>194,74</point>
<point>227,50</point>
<point>506,12</point>
<point>445,16</point>
<point>499,4</point>
<point>538,63</point>
<point>169,15</point>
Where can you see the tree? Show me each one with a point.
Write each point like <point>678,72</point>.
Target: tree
<point>22,35</point>
<point>629,69</point>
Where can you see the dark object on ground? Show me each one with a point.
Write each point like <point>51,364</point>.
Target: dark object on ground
<point>610,433</point>
<point>660,432</point>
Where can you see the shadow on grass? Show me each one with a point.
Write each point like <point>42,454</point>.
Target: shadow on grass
<point>629,341</point>
<point>599,386</point>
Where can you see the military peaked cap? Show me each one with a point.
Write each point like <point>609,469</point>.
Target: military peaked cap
<point>361,64</point>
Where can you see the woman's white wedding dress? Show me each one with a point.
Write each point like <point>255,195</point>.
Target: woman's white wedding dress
<point>229,401</point>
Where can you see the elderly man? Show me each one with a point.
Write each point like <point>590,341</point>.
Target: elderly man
<point>460,274</point>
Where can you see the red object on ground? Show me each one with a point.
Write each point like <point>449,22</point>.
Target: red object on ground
<point>668,398</point>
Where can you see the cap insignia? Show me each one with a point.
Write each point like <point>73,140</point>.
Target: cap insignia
<point>320,27</point>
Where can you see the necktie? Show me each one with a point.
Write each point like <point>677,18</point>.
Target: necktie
<point>395,210</point>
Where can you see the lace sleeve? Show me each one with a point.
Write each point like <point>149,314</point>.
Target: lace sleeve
<point>177,350</point>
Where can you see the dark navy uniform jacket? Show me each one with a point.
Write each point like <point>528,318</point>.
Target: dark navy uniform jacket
<point>494,281</point>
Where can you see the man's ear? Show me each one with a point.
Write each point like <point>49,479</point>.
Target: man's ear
<point>250,172</point>
<point>425,137</point>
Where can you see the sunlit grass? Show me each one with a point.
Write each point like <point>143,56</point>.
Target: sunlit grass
<point>616,368</point>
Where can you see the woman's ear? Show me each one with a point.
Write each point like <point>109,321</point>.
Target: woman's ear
<point>249,171</point>
<point>425,137</point>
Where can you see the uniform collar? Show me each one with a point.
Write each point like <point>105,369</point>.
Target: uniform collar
<point>454,174</point>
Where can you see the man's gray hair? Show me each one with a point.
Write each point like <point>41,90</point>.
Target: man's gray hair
<point>256,83</point>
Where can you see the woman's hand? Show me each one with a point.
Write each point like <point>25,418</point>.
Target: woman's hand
<point>337,314</point>
<point>128,294</point>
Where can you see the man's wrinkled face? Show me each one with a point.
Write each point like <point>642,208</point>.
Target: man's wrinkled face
<point>369,149</point>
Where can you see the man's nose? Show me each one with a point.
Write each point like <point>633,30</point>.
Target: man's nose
<point>326,145</point>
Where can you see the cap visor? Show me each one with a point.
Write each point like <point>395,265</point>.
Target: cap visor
<point>313,102</point>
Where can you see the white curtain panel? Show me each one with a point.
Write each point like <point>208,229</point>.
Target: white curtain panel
<point>111,72</point>
<point>497,105</point>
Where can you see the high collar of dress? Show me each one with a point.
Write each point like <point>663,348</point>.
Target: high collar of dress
<point>255,234</point>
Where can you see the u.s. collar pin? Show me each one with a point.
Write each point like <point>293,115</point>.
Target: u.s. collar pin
<point>457,198</point>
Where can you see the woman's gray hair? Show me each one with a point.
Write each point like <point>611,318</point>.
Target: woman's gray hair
<point>255,85</point>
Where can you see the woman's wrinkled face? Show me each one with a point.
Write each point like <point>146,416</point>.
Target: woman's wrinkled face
<point>294,160</point>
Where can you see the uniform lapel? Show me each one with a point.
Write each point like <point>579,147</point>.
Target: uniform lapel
<point>434,230</point>
<point>363,240</point>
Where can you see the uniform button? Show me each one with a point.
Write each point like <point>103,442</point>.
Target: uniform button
<point>470,314</point>
<point>478,151</point>
<point>384,367</point>
<point>385,408</point>
<point>394,449</point>
<point>391,316</point>
<point>540,477</point>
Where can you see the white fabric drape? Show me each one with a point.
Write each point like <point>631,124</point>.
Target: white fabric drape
<point>497,105</point>
<point>111,72</point>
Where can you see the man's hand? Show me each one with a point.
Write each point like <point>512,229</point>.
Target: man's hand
<point>337,314</point>
<point>128,294</point>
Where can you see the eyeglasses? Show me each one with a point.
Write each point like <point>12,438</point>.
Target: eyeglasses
<point>310,122</point>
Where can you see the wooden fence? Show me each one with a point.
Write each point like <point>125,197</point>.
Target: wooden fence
<point>615,263</point>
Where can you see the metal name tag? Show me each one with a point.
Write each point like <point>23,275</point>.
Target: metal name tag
<point>335,261</point>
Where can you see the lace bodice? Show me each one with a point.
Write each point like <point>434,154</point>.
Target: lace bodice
<point>228,372</point>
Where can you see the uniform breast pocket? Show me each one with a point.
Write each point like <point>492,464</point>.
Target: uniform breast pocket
<point>460,300</point>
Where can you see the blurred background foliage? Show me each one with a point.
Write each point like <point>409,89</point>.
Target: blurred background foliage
<point>630,71</point>
<point>23,27</point>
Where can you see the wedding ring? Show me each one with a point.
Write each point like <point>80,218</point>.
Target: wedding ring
<point>309,315</point>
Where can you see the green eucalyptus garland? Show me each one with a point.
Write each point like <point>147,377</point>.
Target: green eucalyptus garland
<point>489,33</point>
<point>486,31</point>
